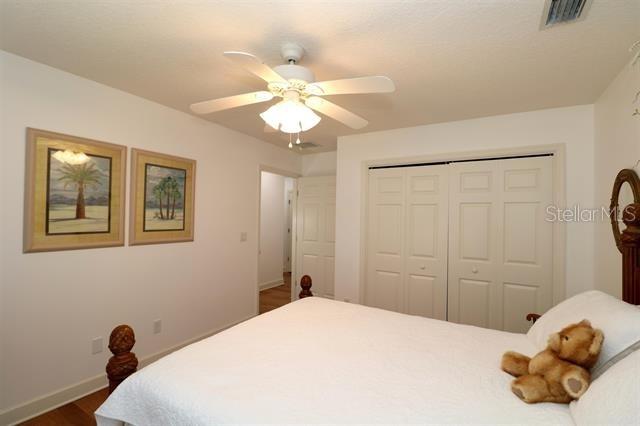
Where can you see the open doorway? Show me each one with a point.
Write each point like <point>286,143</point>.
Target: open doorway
<point>275,240</point>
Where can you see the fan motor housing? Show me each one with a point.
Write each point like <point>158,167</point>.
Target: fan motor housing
<point>295,72</point>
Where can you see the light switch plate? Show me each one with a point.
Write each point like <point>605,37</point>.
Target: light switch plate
<point>243,236</point>
<point>96,345</point>
<point>157,326</point>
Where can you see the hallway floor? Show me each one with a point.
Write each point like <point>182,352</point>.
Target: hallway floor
<point>277,296</point>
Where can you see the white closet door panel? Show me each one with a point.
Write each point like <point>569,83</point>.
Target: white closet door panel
<point>407,240</point>
<point>315,222</point>
<point>518,301</point>
<point>474,302</point>
<point>475,228</point>
<point>501,251</point>
<point>385,291</point>
<point>465,241</point>
<point>423,220</point>
<point>385,240</point>
<point>423,299</point>
<point>473,263</point>
<point>526,249</point>
<point>426,228</point>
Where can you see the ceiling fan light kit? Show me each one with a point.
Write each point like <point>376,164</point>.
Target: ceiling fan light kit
<point>299,91</point>
<point>290,115</point>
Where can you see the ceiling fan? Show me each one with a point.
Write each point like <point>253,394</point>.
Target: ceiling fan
<point>301,94</point>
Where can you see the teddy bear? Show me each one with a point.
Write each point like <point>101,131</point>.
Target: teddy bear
<point>560,373</point>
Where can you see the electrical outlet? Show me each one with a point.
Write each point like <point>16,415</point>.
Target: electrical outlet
<point>243,236</point>
<point>96,345</point>
<point>157,326</point>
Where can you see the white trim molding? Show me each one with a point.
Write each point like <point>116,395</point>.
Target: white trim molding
<point>270,284</point>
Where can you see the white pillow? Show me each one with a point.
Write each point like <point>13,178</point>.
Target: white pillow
<point>618,320</point>
<point>614,398</point>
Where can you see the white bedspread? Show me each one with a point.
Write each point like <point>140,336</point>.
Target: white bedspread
<point>322,361</point>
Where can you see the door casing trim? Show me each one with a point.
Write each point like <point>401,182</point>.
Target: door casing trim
<point>294,176</point>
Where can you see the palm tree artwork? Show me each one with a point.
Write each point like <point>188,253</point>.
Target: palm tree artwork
<point>81,176</point>
<point>78,197</point>
<point>164,200</point>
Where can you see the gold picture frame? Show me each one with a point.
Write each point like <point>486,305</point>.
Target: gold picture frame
<point>162,198</point>
<point>74,192</point>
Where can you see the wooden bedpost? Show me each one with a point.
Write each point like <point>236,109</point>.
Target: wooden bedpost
<point>630,248</point>
<point>123,363</point>
<point>627,241</point>
<point>305,283</point>
<point>532,318</point>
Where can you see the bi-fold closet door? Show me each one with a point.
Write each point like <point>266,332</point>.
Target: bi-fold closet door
<point>466,241</point>
<point>407,240</point>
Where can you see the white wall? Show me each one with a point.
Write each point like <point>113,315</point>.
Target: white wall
<point>617,146</point>
<point>53,304</point>
<point>570,126</point>
<point>272,215</point>
<point>321,164</point>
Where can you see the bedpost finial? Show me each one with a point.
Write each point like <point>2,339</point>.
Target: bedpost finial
<point>123,363</point>
<point>122,339</point>
<point>305,283</point>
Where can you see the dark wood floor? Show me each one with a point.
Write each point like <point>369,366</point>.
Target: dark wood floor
<point>80,412</point>
<point>277,296</point>
<point>76,413</point>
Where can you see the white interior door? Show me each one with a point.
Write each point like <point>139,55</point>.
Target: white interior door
<point>315,233</point>
<point>407,240</point>
<point>500,246</point>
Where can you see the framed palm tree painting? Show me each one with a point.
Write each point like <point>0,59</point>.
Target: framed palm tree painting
<point>74,194</point>
<point>162,198</point>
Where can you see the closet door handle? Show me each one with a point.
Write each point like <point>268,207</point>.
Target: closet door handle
<point>423,267</point>
<point>474,270</point>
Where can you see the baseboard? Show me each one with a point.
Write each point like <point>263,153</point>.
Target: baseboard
<point>55,399</point>
<point>270,284</point>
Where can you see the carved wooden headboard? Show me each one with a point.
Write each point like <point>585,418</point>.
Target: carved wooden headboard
<point>628,241</point>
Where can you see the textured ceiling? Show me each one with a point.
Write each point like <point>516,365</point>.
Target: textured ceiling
<point>450,59</point>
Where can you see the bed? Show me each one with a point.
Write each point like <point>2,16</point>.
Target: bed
<point>323,361</point>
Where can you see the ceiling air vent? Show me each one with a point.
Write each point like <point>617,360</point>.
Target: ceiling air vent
<point>563,11</point>
<point>307,145</point>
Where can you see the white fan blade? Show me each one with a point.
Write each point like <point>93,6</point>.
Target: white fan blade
<point>336,112</point>
<point>255,66</point>
<point>214,105</point>
<point>348,86</point>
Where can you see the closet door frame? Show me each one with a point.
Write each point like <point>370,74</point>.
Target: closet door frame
<point>559,200</point>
